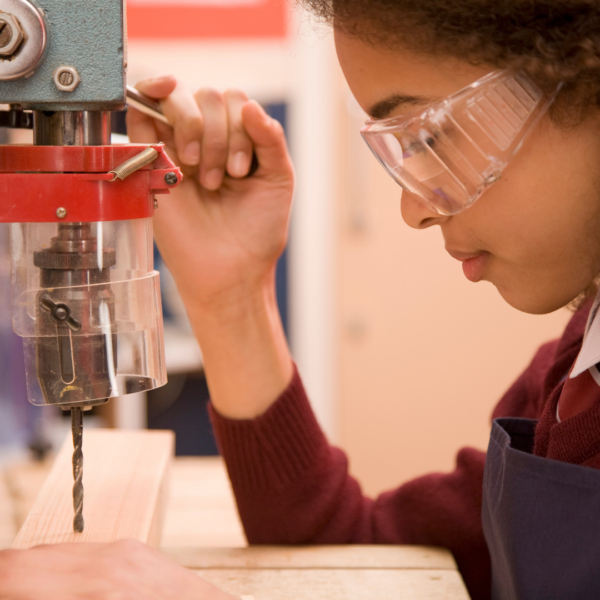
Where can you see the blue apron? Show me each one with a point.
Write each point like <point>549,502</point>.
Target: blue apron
<point>541,520</point>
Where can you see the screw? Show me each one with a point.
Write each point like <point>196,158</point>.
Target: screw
<point>155,203</point>
<point>171,178</point>
<point>66,79</point>
<point>61,212</point>
<point>11,35</point>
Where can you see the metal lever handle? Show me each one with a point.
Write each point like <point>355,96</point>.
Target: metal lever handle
<point>152,108</point>
<point>145,105</point>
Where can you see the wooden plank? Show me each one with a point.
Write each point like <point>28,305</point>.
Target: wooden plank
<point>332,584</point>
<point>125,483</point>
<point>353,556</point>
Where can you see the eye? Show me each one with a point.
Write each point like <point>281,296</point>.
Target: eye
<point>427,137</point>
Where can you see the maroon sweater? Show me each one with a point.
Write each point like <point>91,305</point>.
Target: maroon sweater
<point>292,487</point>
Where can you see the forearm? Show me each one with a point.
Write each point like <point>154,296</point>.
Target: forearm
<point>246,356</point>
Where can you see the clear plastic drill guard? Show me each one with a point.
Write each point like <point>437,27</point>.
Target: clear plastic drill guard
<point>86,301</point>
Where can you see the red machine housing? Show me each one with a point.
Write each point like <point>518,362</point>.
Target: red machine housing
<point>37,180</point>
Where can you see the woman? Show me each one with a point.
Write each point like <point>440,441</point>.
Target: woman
<point>532,233</point>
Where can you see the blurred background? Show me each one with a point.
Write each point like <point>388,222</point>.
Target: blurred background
<point>402,357</point>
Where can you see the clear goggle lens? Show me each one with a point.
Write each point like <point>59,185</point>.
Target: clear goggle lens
<point>449,153</point>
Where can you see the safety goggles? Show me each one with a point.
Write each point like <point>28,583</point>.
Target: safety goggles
<point>448,153</point>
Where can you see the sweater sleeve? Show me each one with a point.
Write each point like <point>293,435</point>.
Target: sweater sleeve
<point>292,487</point>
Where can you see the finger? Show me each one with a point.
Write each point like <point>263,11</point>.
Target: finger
<point>268,138</point>
<point>240,145</point>
<point>157,87</point>
<point>183,113</point>
<point>214,139</point>
<point>141,129</point>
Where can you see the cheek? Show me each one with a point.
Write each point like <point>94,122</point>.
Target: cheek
<point>547,199</point>
<point>541,224</point>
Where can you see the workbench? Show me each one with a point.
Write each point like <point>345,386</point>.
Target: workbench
<point>202,532</point>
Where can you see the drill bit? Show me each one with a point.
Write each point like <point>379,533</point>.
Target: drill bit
<point>77,427</point>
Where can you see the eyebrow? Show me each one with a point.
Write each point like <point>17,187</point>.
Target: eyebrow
<point>384,107</point>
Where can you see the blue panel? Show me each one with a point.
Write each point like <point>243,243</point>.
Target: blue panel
<point>279,112</point>
<point>86,35</point>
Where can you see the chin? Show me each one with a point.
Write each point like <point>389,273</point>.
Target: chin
<point>535,303</point>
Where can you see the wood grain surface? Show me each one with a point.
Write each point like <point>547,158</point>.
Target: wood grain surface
<point>351,556</point>
<point>125,485</point>
<point>8,522</point>
<point>202,510</point>
<point>339,584</point>
<point>351,572</point>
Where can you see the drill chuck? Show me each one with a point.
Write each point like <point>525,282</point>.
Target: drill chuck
<point>74,366</point>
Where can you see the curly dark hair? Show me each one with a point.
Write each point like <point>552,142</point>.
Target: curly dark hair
<point>551,40</point>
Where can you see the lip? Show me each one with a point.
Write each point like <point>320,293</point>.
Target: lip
<point>473,263</point>
<point>464,255</point>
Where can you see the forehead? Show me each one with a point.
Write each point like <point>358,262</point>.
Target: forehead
<point>377,74</point>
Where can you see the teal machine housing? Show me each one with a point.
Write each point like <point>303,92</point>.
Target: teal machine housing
<point>88,36</point>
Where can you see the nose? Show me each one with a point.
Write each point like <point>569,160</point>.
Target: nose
<point>417,215</point>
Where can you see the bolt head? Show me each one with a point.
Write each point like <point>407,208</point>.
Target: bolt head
<point>171,178</point>
<point>61,313</point>
<point>11,35</point>
<point>66,79</point>
<point>61,212</point>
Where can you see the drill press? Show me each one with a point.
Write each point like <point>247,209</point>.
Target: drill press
<point>84,291</point>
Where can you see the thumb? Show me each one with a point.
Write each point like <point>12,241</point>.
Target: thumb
<point>268,138</point>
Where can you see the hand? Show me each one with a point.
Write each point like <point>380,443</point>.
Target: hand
<point>124,570</point>
<point>221,235</point>
<point>219,232</point>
